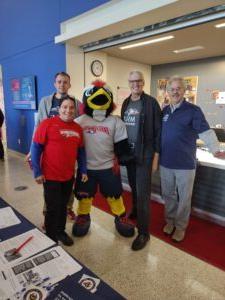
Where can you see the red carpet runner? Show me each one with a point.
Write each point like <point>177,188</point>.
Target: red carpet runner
<point>204,240</point>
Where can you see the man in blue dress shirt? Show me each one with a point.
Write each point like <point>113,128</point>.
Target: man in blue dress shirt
<point>183,123</point>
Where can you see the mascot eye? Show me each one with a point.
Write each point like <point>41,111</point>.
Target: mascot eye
<point>108,91</point>
<point>88,92</point>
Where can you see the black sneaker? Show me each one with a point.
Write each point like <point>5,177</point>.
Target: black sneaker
<point>65,239</point>
<point>140,242</point>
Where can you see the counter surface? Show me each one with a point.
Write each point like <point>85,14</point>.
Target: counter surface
<point>207,159</point>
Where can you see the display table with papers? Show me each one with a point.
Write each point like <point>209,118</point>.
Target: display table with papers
<point>34,267</point>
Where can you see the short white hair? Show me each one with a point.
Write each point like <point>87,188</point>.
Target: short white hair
<point>137,72</point>
<point>175,79</point>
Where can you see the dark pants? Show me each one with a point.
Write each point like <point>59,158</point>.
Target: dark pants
<point>1,150</point>
<point>139,178</point>
<point>56,196</point>
<point>110,184</point>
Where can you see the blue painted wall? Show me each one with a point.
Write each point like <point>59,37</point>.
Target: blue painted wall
<point>28,28</point>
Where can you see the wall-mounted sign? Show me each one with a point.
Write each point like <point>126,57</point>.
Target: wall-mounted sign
<point>24,92</point>
<point>190,92</point>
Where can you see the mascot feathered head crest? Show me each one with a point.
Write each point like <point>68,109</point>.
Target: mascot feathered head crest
<point>98,100</point>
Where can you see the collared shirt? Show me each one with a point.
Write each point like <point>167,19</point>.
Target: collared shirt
<point>180,130</point>
<point>173,107</point>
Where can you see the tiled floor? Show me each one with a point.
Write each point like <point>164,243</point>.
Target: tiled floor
<point>159,271</point>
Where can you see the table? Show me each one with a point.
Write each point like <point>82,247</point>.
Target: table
<point>69,288</point>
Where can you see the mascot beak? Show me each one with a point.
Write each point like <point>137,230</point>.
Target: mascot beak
<point>100,100</point>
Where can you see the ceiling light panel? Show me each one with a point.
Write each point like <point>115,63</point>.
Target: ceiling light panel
<point>161,39</point>
<point>188,49</point>
<point>220,25</point>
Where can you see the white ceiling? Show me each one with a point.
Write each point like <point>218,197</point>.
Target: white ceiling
<point>206,35</point>
<point>174,9</point>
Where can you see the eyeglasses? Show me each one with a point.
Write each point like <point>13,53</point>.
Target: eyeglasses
<point>136,81</point>
<point>178,89</point>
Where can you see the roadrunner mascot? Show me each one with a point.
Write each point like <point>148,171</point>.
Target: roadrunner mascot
<point>105,139</point>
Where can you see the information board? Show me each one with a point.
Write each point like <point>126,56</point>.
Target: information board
<point>24,92</point>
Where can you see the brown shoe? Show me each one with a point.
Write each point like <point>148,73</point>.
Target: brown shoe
<point>168,229</point>
<point>178,235</point>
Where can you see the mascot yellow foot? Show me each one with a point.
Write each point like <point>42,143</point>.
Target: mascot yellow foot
<point>83,221</point>
<point>122,223</point>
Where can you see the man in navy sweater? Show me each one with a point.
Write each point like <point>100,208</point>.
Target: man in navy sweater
<point>182,124</point>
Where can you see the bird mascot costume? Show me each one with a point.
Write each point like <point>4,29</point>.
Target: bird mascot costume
<point>105,140</point>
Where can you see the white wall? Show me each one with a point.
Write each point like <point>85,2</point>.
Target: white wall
<point>75,67</point>
<point>89,58</point>
<point>117,77</point>
<point>115,72</point>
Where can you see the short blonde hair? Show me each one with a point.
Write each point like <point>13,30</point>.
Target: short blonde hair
<point>175,79</point>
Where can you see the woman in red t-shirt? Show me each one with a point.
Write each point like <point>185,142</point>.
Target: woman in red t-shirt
<point>56,144</point>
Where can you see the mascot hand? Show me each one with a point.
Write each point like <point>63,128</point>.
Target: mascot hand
<point>116,167</point>
<point>123,152</point>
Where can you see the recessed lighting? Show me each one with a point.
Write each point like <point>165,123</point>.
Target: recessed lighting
<point>188,49</point>
<point>165,38</point>
<point>220,25</point>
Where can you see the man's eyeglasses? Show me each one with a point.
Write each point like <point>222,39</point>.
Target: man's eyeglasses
<point>136,81</point>
<point>178,89</point>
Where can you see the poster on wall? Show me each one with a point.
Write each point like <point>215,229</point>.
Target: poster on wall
<point>190,92</point>
<point>24,92</point>
<point>221,98</point>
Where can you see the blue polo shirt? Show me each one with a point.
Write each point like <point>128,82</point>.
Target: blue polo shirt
<point>180,130</point>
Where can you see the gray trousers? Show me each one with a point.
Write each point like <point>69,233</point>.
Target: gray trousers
<point>177,187</point>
